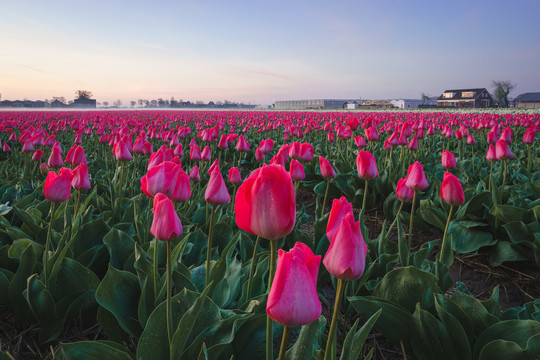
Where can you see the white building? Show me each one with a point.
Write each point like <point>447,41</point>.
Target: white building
<point>412,103</point>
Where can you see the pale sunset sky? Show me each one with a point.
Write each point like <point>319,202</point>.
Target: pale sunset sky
<point>259,52</point>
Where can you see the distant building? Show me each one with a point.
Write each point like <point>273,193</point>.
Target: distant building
<point>528,101</point>
<point>412,103</point>
<point>58,104</point>
<point>84,103</point>
<point>466,98</point>
<point>6,103</point>
<point>314,104</point>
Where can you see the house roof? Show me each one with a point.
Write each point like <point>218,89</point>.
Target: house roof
<point>528,97</point>
<point>458,92</point>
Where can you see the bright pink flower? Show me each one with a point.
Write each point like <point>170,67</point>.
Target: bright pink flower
<point>37,155</point>
<point>502,150</point>
<point>306,152</point>
<point>216,192</point>
<point>166,224</point>
<point>81,179</point>
<point>293,299</point>
<point>234,176</point>
<point>470,139</point>
<point>242,144</point>
<point>451,190</point>
<point>346,256</point>
<point>340,207</point>
<point>296,170</point>
<point>265,203</point>
<point>327,171</point>
<point>195,153</point>
<point>360,142</point>
<point>528,137</point>
<point>6,148</point>
<point>366,165</point>
<point>448,160</point>
<point>491,154</point>
<point>403,193</point>
<point>205,155</point>
<point>57,188</point>
<point>413,144</point>
<point>416,179</point>
<point>169,179</point>
<point>259,156</point>
<point>194,174</point>
<point>223,143</point>
<point>55,159</point>
<point>121,151</point>
<point>28,147</point>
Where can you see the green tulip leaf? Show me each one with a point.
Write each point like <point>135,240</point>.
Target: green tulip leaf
<point>93,350</point>
<point>467,238</point>
<point>354,341</point>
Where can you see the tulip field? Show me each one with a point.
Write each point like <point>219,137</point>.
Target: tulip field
<point>264,234</point>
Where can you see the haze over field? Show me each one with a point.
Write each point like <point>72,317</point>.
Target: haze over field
<point>250,51</point>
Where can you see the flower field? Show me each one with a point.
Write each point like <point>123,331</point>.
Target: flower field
<point>263,235</point>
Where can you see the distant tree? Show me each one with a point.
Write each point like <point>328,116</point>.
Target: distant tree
<point>118,103</point>
<point>161,102</point>
<point>105,103</point>
<point>146,103</point>
<point>425,97</point>
<point>133,102</point>
<point>141,102</point>
<point>83,94</point>
<point>501,89</point>
<point>153,103</point>
<point>59,98</point>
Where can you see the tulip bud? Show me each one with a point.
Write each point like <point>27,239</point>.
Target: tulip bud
<point>44,169</point>
<point>448,160</point>
<point>234,176</point>
<point>293,300</point>
<point>81,180</point>
<point>296,170</point>
<point>367,166</point>
<point>502,151</point>
<point>57,188</point>
<point>416,179</point>
<point>265,204</point>
<point>346,256</point>
<point>166,224</point>
<point>216,192</point>
<point>451,190</point>
<point>327,171</point>
<point>340,207</point>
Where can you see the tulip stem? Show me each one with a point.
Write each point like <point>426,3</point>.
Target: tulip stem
<point>473,158</point>
<point>284,339</point>
<point>331,333</point>
<point>365,195</point>
<point>504,176</point>
<point>47,245</point>
<point>269,332</point>
<point>156,268</point>
<point>441,257</point>
<point>209,249</point>
<point>169,313</point>
<point>490,172</point>
<point>529,156</point>
<point>411,219</point>
<point>252,268</point>
<point>325,195</point>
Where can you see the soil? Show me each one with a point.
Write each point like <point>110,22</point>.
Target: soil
<point>519,283</point>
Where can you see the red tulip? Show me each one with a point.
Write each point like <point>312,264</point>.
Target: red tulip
<point>492,137</point>
<point>28,147</point>
<point>166,224</point>
<point>293,299</point>
<point>6,148</point>
<point>81,179</point>
<point>470,139</point>
<point>366,165</point>
<point>266,146</point>
<point>223,142</point>
<point>403,193</point>
<point>360,142</point>
<point>346,256</point>
<point>195,153</point>
<point>259,156</point>
<point>205,155</point>
<point>340,207</point>
<point>327,171</point>
<point>451,190</point>
<point>416,179</point>
<point>178,150</point>
<point>57,188</point>
<point>242,144</point>
<point>79,157</point>
<point>216,192</point>
<point>413,144</point>
<point>448,160</point>
<point>502,150</point>
<point>528,137</point>
<point>234,176</point>
<point>265,204</point>
<point>296,170</point>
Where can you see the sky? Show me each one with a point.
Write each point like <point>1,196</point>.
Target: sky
<point>258,52</point>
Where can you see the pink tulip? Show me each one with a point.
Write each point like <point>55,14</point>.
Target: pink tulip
<point>265,204</point>
<point>416,179</point>
<point>166,224</point>
<point>57,188</point>
<point>502,151</point>
<point>491,154</point>
<point>169,179</point>
<point>194,174</point>
<point>293,299</point>
<point>55,159</point>
<point>366,165</point>
<point>296,170</point>
<point>451,190</point>
<point>340,207</point>
<point>403,193</point>
<point>448,160</point>
<point>327,171</point>
<point>81,179</point>
<point>37,155</point>
<point>306,152</point>
<point>346,256</point>
<point>216,192</point>
<point>234,176</point>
